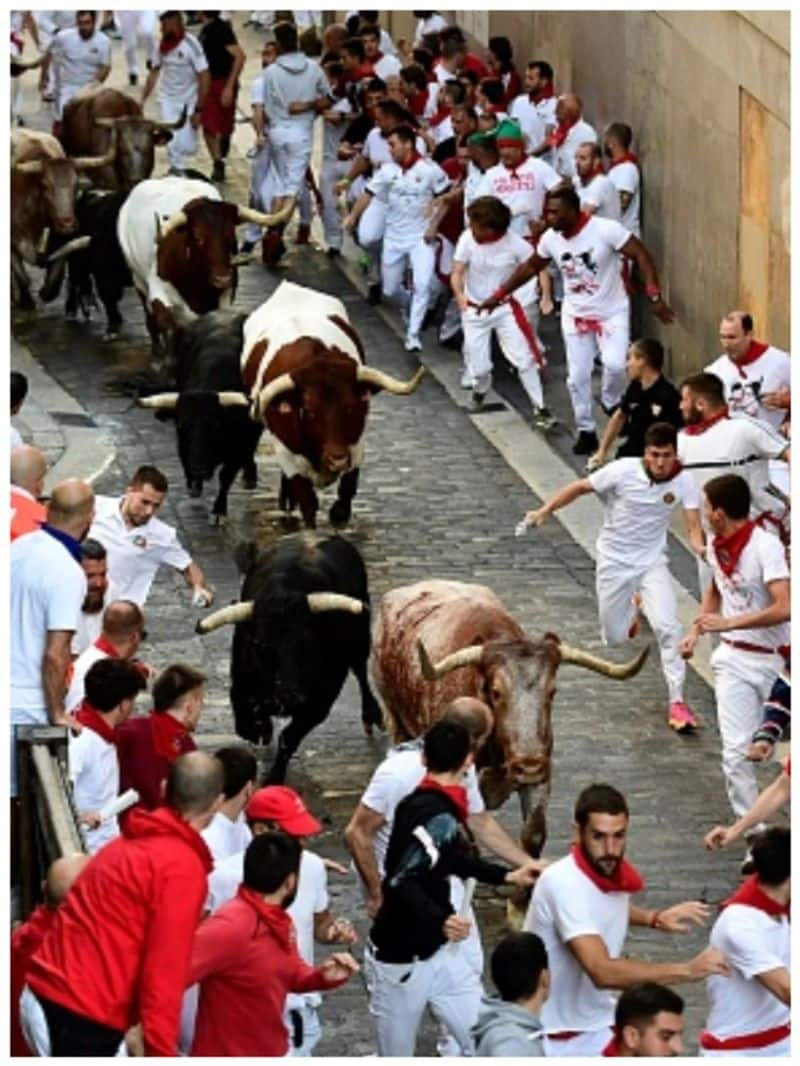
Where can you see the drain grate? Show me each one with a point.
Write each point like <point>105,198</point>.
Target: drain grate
<point>68,418</point>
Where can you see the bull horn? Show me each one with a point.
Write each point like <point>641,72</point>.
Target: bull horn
<point>249,214</point>
<point>95,162</point>
<point>171,125</point>
<point>106,122</point>
<point>27,64</point>
<point>77,244</point>
<point>160,401</point>
<point>319,602</point>
<point>282,383</point>
<point>469,656</point>
<point>370,376</point>
<point>619,671</point>
<point>227,616</point>
<point>233,399</point>
<point>31,166</point>
<point>173,222</point>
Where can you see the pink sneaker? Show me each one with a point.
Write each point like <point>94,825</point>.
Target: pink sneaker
<point>681,718</point>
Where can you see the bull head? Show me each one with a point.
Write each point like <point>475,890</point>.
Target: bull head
<point>244,214</point>
<point>377,379</point>
<point>472,655</point>
<point>318,603</point>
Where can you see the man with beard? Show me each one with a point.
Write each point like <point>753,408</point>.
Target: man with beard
<point>639,497</point>
<point>581,908</point>
<point>535,109</point>
<point>138,543</point>
<point>80,55</point>
<point>99,593</point>
<point>625,174</point>
<point>596,191</point>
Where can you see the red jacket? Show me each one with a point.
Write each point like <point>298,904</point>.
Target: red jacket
<point>146,748</point>
<point>25,940</point>
<point>120,946</point>
<point>246,960</point>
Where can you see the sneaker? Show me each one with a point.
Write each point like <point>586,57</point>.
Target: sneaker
<point>218,173</point>
<point>543,419</point>
<point>333,253</point>
<point>681,718</point>
<point>303,233</point>
<point>466,380</point>
<point>586,443</point>
<point>246,247</point>
<point>478,399</point>
<point>374,294</point>
<point>413,343</point>
<point>133,79</point>
<point>364,262</point>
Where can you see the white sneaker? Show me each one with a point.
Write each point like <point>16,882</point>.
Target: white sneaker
<point>413,343</point>
<point>466,379</point>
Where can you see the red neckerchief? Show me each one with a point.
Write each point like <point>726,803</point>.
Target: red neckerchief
<point>700,427</point>
<point>456,793</point>
<point>626,877</point>
<point>415,158</point>
<point>751,894</point>
<point>106,647</point>
<point>279,922</point>
<point>168,44</point>
<point>439,115</point>
<point>418,102</point>
<point>583,220</point>
<point>363,70</point>
<point>755,351</point>
<point>676,469</point>
<point>542,94</point>
<point>167,735</point>
<point>92,719</point>
<point>597,170</point>
<point>560,133</point>
<point>729,549</point>
<point>627,157</point>
<point>611,1050</point>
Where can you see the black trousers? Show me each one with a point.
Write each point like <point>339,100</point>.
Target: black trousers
<point>73,1034</point>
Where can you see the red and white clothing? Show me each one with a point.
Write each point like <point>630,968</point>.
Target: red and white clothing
<point>90,624</point>
<point>747,662</point>
<point>178,89</point>
<point>595,315</point>
<point>97,650</point>
<point>600,195</point>
<point>745,1018</point>
<point>632,557</point>
<point>527,114</point>
<point>76,62</point>
<point>386,67</point>
<point>522,189</point>
<point>566,141</point>
<point>626,177</point>
<point>94,773</point>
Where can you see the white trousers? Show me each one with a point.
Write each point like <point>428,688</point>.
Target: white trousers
<point>132,26</point>
<point>616,587</point>
<point>781,1049</point>
<point>394,263</point>
<point>35,1029</point>
<point>183,144</point>
<point>588,1045</point>
<point>331,171</point>
<point>478,329</point>
<point>400,992</point>
<point>611,343</point>
<point>370,235</point>
<point>291,154</point>
<point>312,1030</point>
<point>262,190</point>
<point>742,682</point>
<point>304,209</point>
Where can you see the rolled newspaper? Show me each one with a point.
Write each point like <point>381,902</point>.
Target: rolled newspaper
<point>119,804</point>
<point>466,906</point>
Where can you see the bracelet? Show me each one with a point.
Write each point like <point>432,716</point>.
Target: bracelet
<point>652,290</point>
<point>653,923</point>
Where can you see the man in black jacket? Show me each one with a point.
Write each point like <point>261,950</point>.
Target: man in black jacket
<point>408,964</point>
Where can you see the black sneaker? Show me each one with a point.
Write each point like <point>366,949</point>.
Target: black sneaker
<point>133,79</point>
<point>543,419</point>
<point>333,253</point>
<point>374,294</point>
<point>478,399</point>
<point>218,173</point>
<point>246,247</point>
<point>586,444</point>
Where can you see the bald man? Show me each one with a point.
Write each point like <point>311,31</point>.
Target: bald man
<point>120,637</point>
<point>27,937</point>
<point>28,467</point>
<point>570,133</point>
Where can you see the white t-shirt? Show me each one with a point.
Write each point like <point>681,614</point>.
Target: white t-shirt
<point>332,132</point>
<point>473,187</point>
<point>94,773</point>
<point>15,438</point>
<point>566,904</point>
<point>522,190</point>
<point>406,194</point>
<point>744,385</point>
<point>753,943</point>
<point>740,446</point>
<point>762,561</point>
<point>388,66</point>
<point>564,155</point>
<point>637,511</point>
<point>91,625</point>
<point>625,177</point>
<point>530,121</point>
<point>76,61</point>
<point>600,194</point>
<point>377,152</point>
<point>80,668</point>
<point>591,268</point>
<point>179,69</point>
<point>47,589</point>
<point>489,265</point>
<point>134,555</point>
<point>225,837</point>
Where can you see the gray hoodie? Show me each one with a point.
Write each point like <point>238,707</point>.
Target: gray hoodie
<point>504,1030</point>
<point>292,78</point>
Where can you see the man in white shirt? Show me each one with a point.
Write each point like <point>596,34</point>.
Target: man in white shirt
<point>408,187</point>
<point>138,543</point>
<point>99,593</point>
<point>80,55</point>
<point>748,603</point>
<point>262,173</point>
<point>427,22</point>
<point>596,191</point>
<point>134,25</point>
<point>582,908</point>
<point>332,168</point>
<point>639,498</point>
<point>385,66</point>
<point>750,1010</point>
<point>519,181</point>
<point>624,171</point>
<point>228,833</point>
<point>111,689</point>
<point>570,132</point>
<point>595,317</point>
<point>179,65</point>
<point>535,109</point>
<point>120,637</point>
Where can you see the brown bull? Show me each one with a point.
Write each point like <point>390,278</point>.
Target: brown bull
<point>44,182</point>
<point>437,640</point>
<point>95,116</point>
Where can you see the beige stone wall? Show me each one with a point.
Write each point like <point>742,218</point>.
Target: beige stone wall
<point>707,94</point>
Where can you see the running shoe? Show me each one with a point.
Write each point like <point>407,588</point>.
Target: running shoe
<point>681,718</point>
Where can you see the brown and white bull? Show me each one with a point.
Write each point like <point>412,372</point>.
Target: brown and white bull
<point>44,182</point>
<point>303,365</point>
<point>95,116</point>
<point>437,640</point>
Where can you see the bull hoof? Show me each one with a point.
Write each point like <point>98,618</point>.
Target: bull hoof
<point>339,514</point>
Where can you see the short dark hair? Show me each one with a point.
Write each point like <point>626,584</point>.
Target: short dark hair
<point>452,33</point>
<point>490,212</point>
<point>446,746</point>
<point>404,133</point>
<point>567,195</point>
<point>269,859</point>
<point>621,132</point>
<point>651,351</point>
<point>415,75</point>
<point>517,965</point>
<point>392,109</point>
<point>599,799</point>
<point>731,494</point>
<point>110,681</point>
<point>468,75</point>
<point>747,322</point>
<point>173,683</point>
<point>149,475</point>
<point>285,34</point>
<point>661,435</point>
<point>92,13</point>
<point>332,65</point>
<point>194,781</point>
<point>772,855</point>
<point>375,85</point>
<point>369,16</point>
<point>370,30</point>
<point>354,46</point>
<point>93,549</point>
<point>500,47</point>
<point>424,57</point>
<point>492,89</point>
<point>455,90</point>
<point>639,1004</point>
<point>707,386</point>
<point>18,389</point>
<point>451,46</point>
<point>544,68</point>
<point>239,766</point>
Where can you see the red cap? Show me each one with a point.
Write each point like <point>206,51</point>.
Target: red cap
<point>277,803</point>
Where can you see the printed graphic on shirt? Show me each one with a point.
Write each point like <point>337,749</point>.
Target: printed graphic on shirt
<point>580,271</point>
